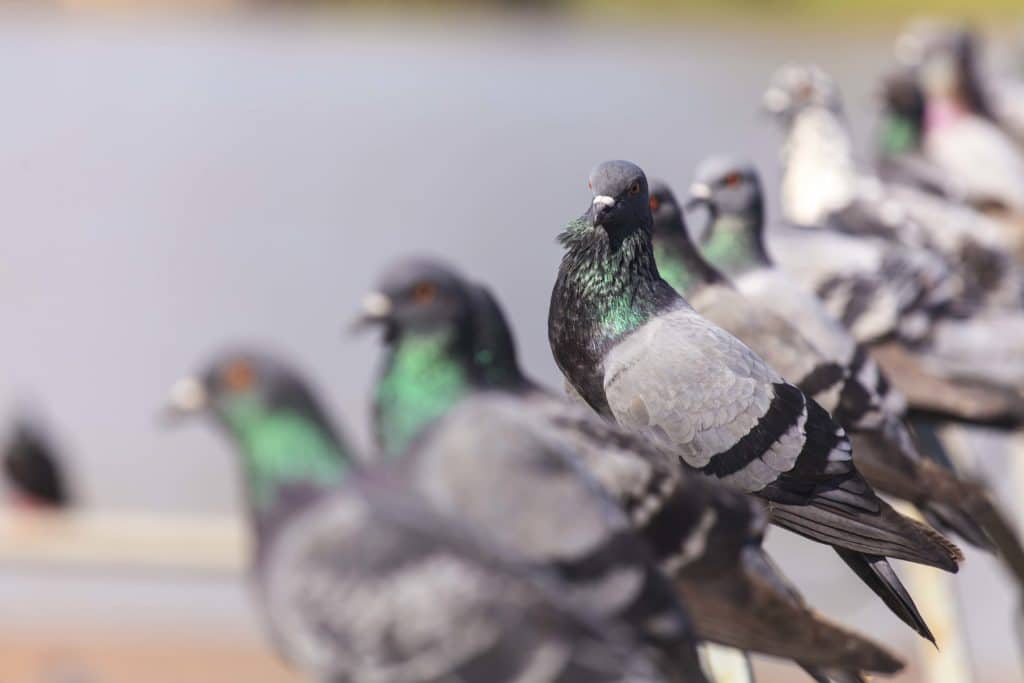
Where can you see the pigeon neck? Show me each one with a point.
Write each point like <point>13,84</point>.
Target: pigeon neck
<point>289,458</point>
<point>424,376</point>
<point>605,289</point>
<point>819,174</point>
<point>679,262</point>
<point>734,244</point>
<point>900,134</point>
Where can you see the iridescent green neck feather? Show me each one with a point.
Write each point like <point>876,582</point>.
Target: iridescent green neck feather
<point>733,244</point>
<point>422,380</point>
<point>283,449</point>
<point>899,135</point>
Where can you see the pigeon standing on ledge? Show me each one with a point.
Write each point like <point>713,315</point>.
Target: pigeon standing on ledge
<point>637,353</point>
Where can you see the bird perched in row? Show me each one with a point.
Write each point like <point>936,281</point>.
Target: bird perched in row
<point>639,354</point>
<point>884,449</point>
<point>961,132</point>
<point>411,571</point>
<point>956,258</point>
<point>448,343</point>
<point>866,404</point>
<point>33,469</point>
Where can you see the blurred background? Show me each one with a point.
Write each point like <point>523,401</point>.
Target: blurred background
<point>178,179</point>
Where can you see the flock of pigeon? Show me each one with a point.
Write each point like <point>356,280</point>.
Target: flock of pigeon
<point>501,531</point>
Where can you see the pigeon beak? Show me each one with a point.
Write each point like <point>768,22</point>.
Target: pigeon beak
<point>700,195</point>
<point>376,310</point>
<point>188,396</point>
<point>601,207</point>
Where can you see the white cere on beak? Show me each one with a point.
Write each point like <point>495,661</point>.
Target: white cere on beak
<point>376,305</point>
<point>700,191</point>
<point>775,100</point>
<point>188,395</point>
<point>604,200</point>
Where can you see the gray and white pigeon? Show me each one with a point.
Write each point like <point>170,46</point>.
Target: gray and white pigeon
<point>705,536</point>
<point>964,130</point>
<point>638,353</point>
<point>372,576</point>
<point>960,258</point>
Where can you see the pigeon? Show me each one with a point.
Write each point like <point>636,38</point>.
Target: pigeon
<point>351,565</point>
<point>734,242</point>
<point>884,449</point>
<point>638,353</point>
<point>33,468</point>
<point>350,562</point>
<point>930,382</point>
<point>997,101</point>
<point>959,257</point>
<point>961,134</point>
<point>705,536</point>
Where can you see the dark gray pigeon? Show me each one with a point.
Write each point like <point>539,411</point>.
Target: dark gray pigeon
<point>705,536</point>
<point>351,568</point>
<point>637,353</point>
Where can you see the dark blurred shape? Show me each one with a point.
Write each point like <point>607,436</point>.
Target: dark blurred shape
<point>32,466</point>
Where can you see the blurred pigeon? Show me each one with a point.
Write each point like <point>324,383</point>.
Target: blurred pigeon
<point>638,353</point>
<point>884,449</point>
<point>945,57</point>
<point>33,467</point>
<point>734,242</point>
<point>351,567</point>
<point>822,187</point>
<point>705,536</point>
<point>932,382</point>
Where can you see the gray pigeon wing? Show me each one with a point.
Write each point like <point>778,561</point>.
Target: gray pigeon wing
<point>490,465</point>
<point>706,397</point>
<point>357,593</point>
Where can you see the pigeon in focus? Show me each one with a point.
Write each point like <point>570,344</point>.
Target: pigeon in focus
<point>33,469</point>
<point>638,353</point>
<point>352,568</point>
<point>705,536</point>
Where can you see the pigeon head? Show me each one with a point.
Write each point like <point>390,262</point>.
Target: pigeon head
<point>291,453</point>
<point>797,87</point>
<point>620,201</point>
<point>726,186</point>
<point>730,189</point>
<point>665,209</point>
<point>418,296</point>
<point>237,378</point>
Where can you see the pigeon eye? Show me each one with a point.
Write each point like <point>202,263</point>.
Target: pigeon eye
<point>634,188</point>
<point>732,180</point>
<point>424,293</point>
<point>655,203</point>
<point>239,376</point>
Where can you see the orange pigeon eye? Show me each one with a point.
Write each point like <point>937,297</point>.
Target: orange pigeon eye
<point>732,180</point>
<point>655,203</point>
<point>424,293</point>
<point>634,188</point>
<point>239,376</point>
